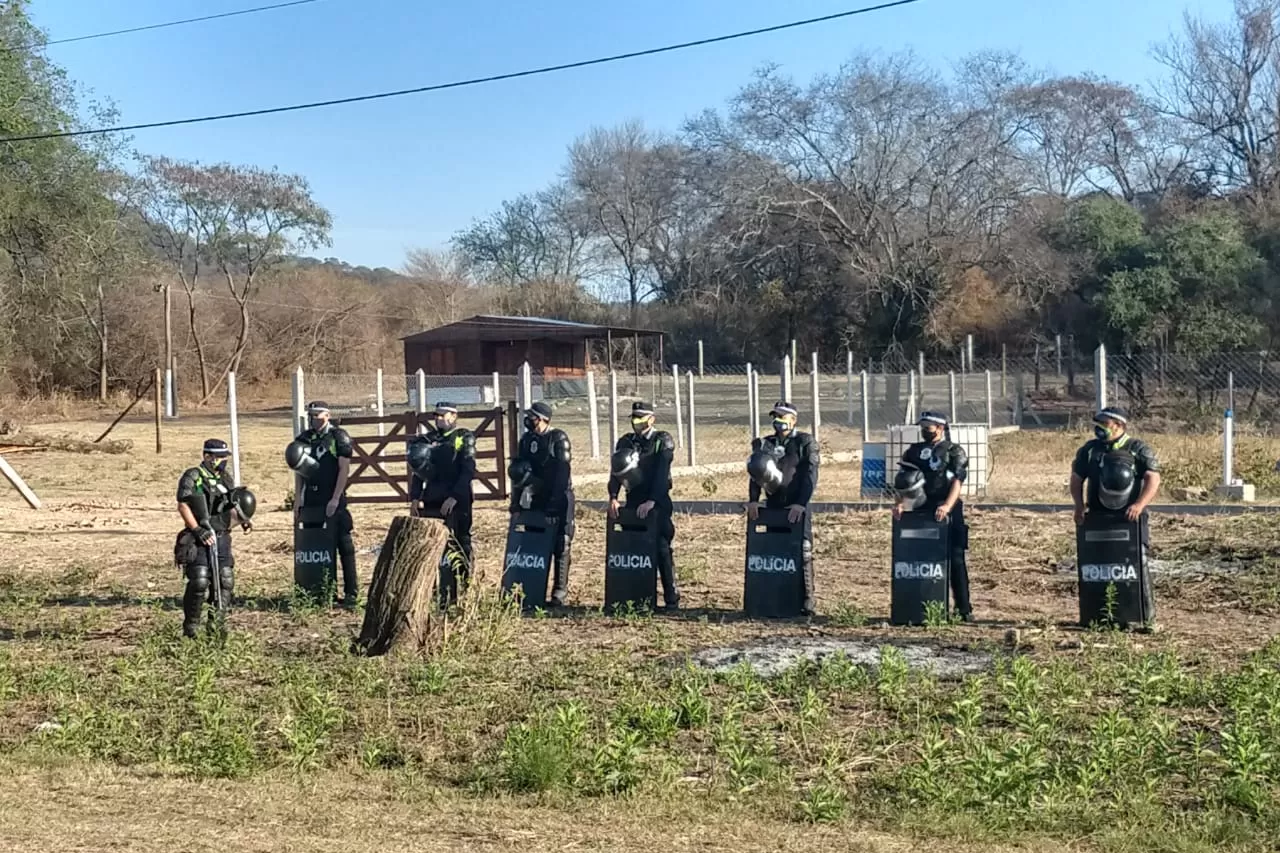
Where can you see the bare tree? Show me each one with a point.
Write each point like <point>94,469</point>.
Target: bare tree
<point>627,179</point>
<point>239,222</point>
<point>1224,85</point>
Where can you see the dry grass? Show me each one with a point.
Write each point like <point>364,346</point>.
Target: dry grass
<point>301,746</point>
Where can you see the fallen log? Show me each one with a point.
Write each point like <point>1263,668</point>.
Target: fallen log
<point>402,592</point>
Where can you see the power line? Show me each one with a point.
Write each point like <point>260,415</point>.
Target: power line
<point>166,24</point>
<point>458,84</point>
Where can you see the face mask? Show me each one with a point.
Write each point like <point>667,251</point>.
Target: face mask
<point>1101,433</point>
<point>442,425</point>
<point>930,435</point>
<point>531,423</point>
<point>640,426</point>
<point>780,425</point>
<point>317,425</point>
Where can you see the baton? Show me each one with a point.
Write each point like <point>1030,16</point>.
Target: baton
<point>217,572</point>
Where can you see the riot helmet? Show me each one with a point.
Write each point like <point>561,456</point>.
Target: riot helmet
<point>244,502</point>
<point>1116,480</point>
<point>521,473</point>
<point>908,486</point>
<point>419,456</point>
<point>1108,419</point>
<point>784,417</point>
<point>297,455</point>
<point>763,469</point>
<point>318,416</point>
<point>625,465</point>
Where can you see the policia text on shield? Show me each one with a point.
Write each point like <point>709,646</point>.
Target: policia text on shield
<point>1113,479</point>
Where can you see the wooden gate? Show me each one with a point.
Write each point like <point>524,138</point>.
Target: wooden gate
<point>382,459</point>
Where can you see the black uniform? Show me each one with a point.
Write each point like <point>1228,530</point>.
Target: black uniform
<point>450,473</point>
<point>328,446</point>
<point>1128,450</point>
<point>657,451</point>
<point>551,492</point>
<point>942,463</point>
<point>207,493</point>
<point>798,458</point>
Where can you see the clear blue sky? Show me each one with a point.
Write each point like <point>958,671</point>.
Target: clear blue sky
<point>409,172</point>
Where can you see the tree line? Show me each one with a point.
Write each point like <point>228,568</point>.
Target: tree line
<point>885,207</point>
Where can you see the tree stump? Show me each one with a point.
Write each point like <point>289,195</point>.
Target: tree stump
<point>402,592</point>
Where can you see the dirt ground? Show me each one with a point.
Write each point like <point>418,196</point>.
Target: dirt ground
<point>102,547</point>
<point>109,521</point>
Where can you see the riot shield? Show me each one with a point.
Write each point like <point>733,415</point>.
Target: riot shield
<point>921,568</point>
<point>314,557</point>
<point>527,561</point>
<point>774,583</point>
<point>1114,585</point>
<point>631,561</point>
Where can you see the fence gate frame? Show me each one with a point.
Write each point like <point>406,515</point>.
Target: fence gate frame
<point>370,461</point>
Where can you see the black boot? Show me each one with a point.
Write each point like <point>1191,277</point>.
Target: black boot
<point>560,586</point>
<point>807,607</point>
<point>667,574</point>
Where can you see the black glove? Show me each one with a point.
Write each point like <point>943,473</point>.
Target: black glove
<point>205,535</point>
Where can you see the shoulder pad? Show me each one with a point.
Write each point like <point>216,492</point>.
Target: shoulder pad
<point>464,439</point>
<point>757,443</point>
<point>664,441</point>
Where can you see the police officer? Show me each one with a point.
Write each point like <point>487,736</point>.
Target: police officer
<point>1122,473</point>
<point>208,506</point>
<point>943,466</point>
<point>331,447</point>
<point>797,459</point>
<point>643,459</point>
<point>443,461</point>
<point>548,455</point>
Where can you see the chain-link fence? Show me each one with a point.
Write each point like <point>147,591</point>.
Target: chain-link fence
<point>715,412</point>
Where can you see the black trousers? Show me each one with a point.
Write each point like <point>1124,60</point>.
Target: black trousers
<point>562,551</point>
<point>458,554</point>
<point>959,536</point>
<point>666,528</point>
<point>346,548</point>
<point>199,587</point>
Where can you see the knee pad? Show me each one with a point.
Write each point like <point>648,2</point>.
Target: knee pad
<point>198,578</point>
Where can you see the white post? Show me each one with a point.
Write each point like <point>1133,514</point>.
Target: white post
<point>693,441</point>
<point>920,369</point>
<point>848,383</point>
<point>866,408</point>
<point>755,402</point>
<point>381,400</point>
<point>1100,375</point>
<point>951,380</point>
<point>990,413</point>
<point>526,383</point>
<point>497,390</point>
<point>299,403</point>
<point>752,402</point>
<point>1057,349</point>
<point>786,377</point>
<point>813,392</point>
<point>613,410</point>
<point>700,373</point>
<point>592,415</point>
<point>170,410</point>
<point>794,358</point>
<point>233,411</point>
<point>1229,430</point>
<point>675,385</point>
<point>421,378</point>
<point>968,348</point>
<point>911,397</point>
